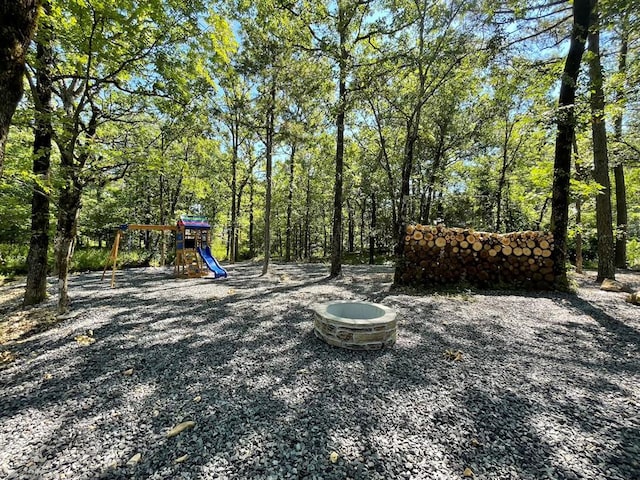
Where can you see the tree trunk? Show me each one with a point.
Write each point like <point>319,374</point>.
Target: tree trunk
<point>269,161</point>
<point>278,237</point>
<point>363,211</point>
<point>564,140</point>
<point>68,208</point>
<point>412,129</point>
<point>163,219</point>
<point>383,159</point>
<point>236,243</point>
<point>252,243</point>
<point>430,188</point>
<point>502,179</point>
<point>579,257</point>
<point>581,175</point>
<point>618,169</point>
<point>407,168</point>
<point>372,231</point>
<point>37,259</point>
<point>234,181</point>
<point>176,197</point>
<point>325,234</point>
<point>307,219</point>
<point>604,218</point>
<point>621,217</point>
<point>287,252</point>
<point>336,240</point>
<point>18,19</point>
<point>351,228</point>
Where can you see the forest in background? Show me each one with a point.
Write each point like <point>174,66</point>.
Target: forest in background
<point>255,114</point>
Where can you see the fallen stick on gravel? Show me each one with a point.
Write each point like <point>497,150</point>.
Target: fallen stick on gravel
<point>180,428</point>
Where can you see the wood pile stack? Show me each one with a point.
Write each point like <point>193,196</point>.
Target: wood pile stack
<point>437,255</point>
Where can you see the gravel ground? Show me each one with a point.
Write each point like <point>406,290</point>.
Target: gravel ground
<point>548,386</point>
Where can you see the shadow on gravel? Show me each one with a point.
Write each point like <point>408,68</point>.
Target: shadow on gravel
<point>508,438</point>
<point>274,400</point>
<point>623,333</point>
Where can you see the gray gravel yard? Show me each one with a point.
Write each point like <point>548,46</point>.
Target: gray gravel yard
<point>548,386</point>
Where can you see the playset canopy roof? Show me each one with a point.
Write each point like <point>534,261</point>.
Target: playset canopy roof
<point>193,222</point>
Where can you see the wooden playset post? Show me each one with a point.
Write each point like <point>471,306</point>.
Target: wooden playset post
<point>113,257</point>
<point>179,262</point>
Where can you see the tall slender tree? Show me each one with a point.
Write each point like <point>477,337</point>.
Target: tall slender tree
<point>342,26</point>
<point>604,219</point>
<point>235,98</point>
<point>618,168</point>
<point>437,52</point>
<point>269,144</point>
<point>37,264</point>
<point>565,137</point>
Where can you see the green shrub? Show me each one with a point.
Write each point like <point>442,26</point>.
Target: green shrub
<point>218,248</point>
<point>633,253</point>
<point>13,259</point>
<point>88,259</point>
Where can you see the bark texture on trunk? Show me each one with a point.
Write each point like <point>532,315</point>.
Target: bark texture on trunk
<point>289,232</point>
<point>618,169</point>
<point>18,19</point>
<point>269,160</point>
<point>71,166</point>
<point>581,175</point>
<point>604,217</point>
<point>336,235</point>
<point>621,217</point>
<point>252,248</point>
<point>37,259</point>
<point>68,209</point>
<point>372,232</point>
<point>307,219</point>
<point>564,139</point>
<point>351,228</point>
<point>233,228</point>
<point>65,237</point>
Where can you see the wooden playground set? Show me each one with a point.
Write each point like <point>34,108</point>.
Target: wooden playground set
<point>192,244</point>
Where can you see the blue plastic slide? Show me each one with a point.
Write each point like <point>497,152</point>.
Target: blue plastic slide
<point>211,262</point>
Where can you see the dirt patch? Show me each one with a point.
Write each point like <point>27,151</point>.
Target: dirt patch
<point>21,324</point>
<point>11,295</point>
<point>17,323</point>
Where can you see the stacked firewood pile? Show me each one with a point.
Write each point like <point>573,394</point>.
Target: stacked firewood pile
<point>437,255</point>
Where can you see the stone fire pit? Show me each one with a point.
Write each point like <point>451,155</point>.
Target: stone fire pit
<point>355,325</point>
